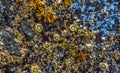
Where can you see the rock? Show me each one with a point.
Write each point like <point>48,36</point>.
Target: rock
<point>9,44</point>
<point>27,30</point>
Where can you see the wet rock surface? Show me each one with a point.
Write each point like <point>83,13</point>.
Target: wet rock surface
<point>54,36</point>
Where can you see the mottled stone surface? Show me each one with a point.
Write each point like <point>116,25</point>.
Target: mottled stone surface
<point>59,36</point>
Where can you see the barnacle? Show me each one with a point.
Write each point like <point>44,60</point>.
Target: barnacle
<point>89,47</point>
<point>35,69</point>
<point>74,54</point>
<point>65,32</point>
<point>73,27</point>
<point>38,27</point>
<point>46,45</point>
<point>56,37</point>
<point>103,66</point>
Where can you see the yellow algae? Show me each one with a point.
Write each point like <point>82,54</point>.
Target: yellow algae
<point>82,56</point>
<point>67,2</point>
<point>50,18</point>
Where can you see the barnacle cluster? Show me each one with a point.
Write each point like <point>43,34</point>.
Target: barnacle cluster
<point>59,36</point>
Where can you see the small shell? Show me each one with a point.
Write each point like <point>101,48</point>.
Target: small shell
<point>34,69</point>
<point>73,27</point>
<point>56,37</point>
<point>64,33</point>
<point>103,66</point>
<point>74,54</point>
<point>46,45</point>
<point>38,27</point>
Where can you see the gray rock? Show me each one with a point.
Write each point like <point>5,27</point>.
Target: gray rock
<point>9,44</point>
<point>27,30</point>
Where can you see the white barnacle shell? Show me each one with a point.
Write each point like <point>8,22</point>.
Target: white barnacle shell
<point>103,66</point>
